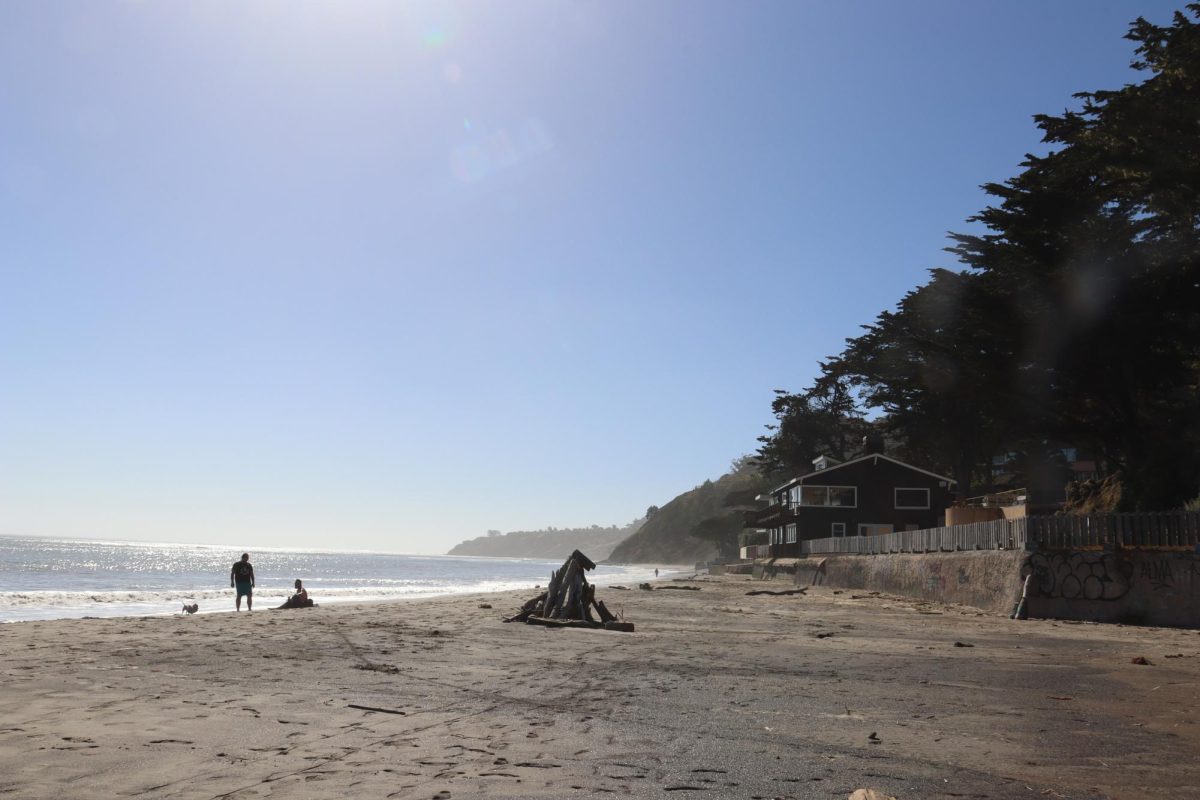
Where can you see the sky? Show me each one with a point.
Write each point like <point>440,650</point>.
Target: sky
<point>385,275</point>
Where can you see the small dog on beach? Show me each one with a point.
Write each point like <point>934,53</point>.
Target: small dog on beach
<point>192,609</point>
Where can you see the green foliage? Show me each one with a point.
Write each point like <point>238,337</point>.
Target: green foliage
<point>1093,253</point>
<point>668,537</point>
<point>823,420</point>
<point>938,367</point>
<point>722,531</point>
<point>741,498</point>
<point>1076,317</point>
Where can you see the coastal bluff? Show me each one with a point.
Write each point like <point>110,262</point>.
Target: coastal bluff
<point>692,527</point>
<point>551,544</point>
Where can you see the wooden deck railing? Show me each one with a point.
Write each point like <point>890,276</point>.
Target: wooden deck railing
<point>1174,530</point>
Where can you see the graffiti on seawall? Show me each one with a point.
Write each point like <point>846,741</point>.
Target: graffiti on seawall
<point>1158,573</point>
<point>1080,576</point>
<point>937,582</point>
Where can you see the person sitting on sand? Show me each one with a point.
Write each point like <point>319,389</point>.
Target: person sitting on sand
<point>299,599</point>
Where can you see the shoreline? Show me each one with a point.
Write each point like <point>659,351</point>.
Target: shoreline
<point>716,694</point>
<point>277,595</point>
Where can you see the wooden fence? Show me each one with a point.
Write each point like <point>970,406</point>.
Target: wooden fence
<point>991,535</point>
<point>1174,530</point>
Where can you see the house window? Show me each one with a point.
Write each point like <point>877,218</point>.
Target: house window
<point>843,496</point>
<point>813,495</point>
<point>791,533</point>
<point>840,496</point>
<point>839,529</point>
<point>912,498</point>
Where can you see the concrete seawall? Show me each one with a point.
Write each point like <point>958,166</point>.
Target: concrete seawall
<point>1139,587</point>
<point>986,579</point>
<point>1144,587</point>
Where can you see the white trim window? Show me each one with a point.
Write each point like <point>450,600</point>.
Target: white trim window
<point>829,496</point>
<point>838,529</point>
<point>911,498</point>
<point>791,533</point>
<point>873,528</point>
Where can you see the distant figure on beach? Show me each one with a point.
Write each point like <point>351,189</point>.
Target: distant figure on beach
<point>656,572</point>
<point>242,577</point>
<point>299,599</point>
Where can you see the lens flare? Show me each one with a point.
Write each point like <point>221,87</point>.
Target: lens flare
<point>434,37</point>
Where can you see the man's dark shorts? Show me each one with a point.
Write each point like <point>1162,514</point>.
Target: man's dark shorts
<point>245,588</point>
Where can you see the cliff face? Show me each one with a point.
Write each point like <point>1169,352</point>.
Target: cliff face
<point>666,538</point>
<point>595,543</point>
<point>712,509</point>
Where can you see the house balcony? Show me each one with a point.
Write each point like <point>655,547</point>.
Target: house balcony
<point>770,517</point>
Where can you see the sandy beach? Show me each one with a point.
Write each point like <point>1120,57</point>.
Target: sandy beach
<point>717,694</point>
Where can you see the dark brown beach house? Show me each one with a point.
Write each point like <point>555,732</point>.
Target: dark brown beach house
<point>872,494</point>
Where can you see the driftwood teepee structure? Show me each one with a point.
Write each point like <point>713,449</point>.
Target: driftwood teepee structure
<point>569,600</point>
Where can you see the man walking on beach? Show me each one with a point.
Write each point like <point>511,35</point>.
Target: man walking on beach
<point>242,577</point>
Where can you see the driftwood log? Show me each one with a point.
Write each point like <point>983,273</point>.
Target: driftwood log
<point>785,591</point>
<point>569,601</point>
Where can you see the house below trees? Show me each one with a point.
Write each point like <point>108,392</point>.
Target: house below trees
<point>872,494</point>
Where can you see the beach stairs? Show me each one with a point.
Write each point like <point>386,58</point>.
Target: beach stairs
<point>569,601</point>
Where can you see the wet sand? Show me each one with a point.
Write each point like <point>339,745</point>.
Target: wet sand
<point>717,694</point>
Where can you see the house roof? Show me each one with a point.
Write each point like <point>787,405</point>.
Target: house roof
<point>827,470</point>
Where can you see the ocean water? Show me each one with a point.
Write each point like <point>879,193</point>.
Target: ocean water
<point>44,578</point>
